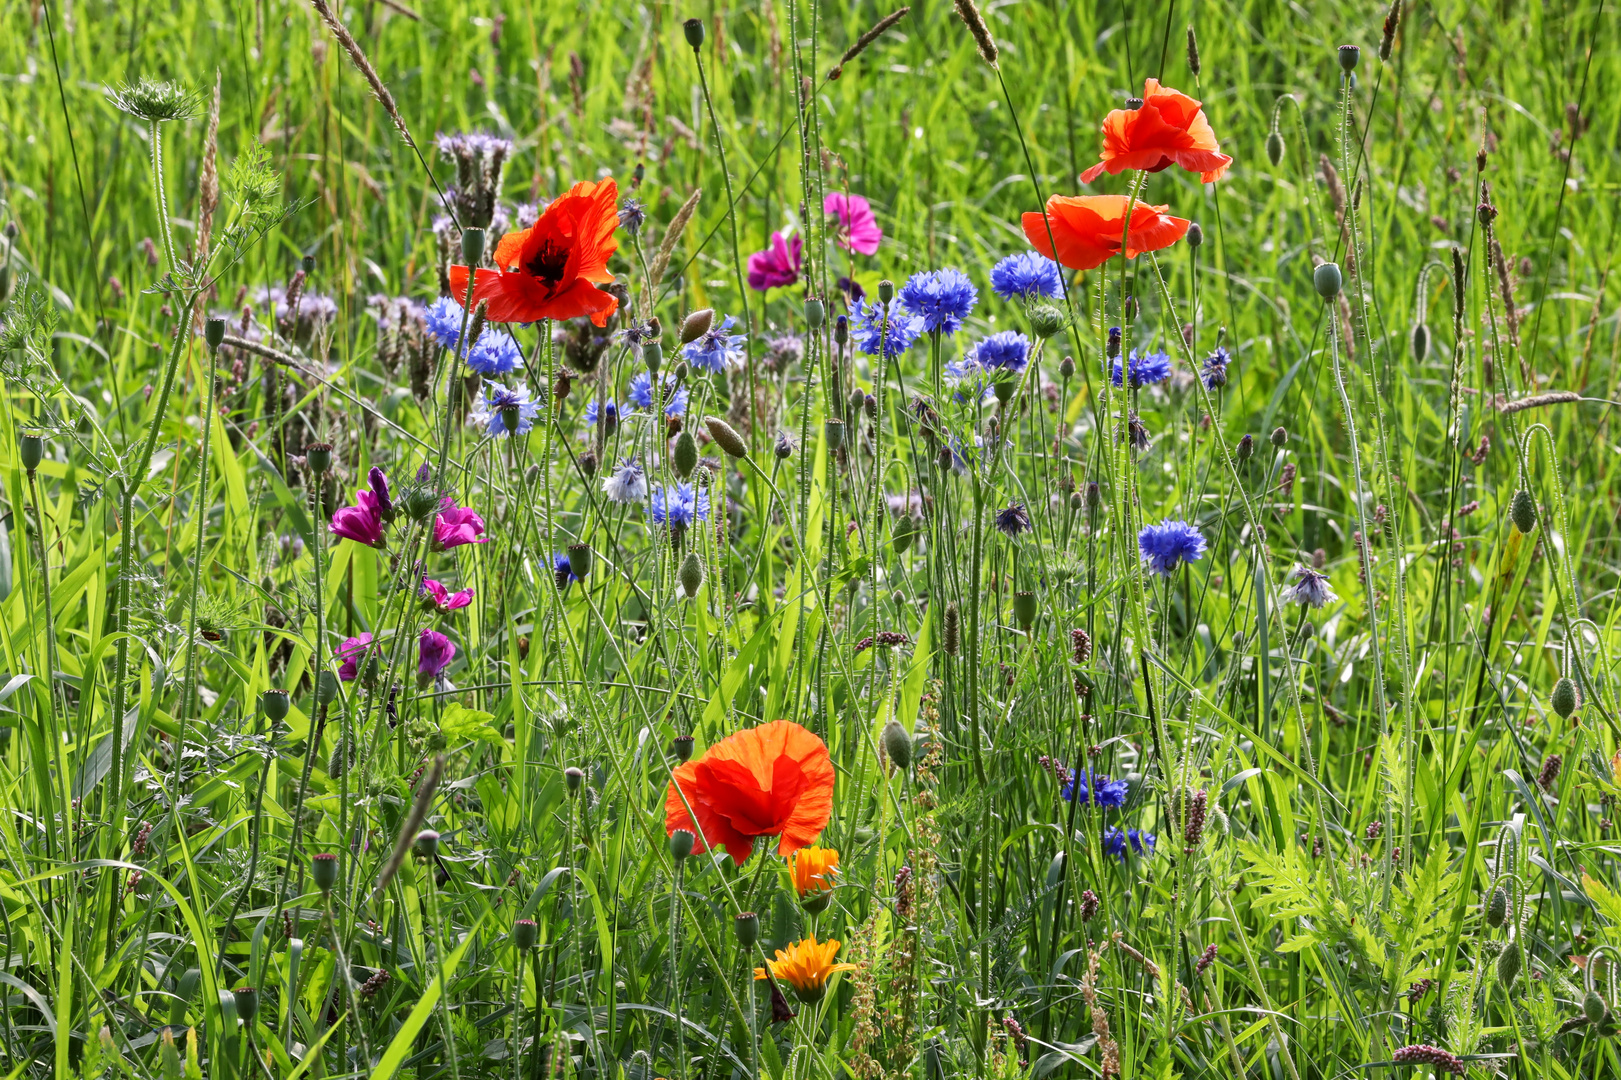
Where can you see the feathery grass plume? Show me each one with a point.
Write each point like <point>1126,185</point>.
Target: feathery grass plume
<point>208,183</point>
<point>1392,20</point>
<point>969,12</point>
<point>672,236</point>
<point>1534,401</point>
<point>411,825</point>
<point>867,39</point>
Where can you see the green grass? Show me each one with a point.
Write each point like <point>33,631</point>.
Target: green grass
<point>1375,771</point>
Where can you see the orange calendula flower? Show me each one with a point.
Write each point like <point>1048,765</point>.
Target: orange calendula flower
<point>772,780</point>
<point>814,870</point>
<point>1169,129</point>
<point>551,269</point>
<point>806,966</point>
<point>1086,229</point>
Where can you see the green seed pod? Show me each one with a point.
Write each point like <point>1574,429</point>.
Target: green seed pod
<point>691,574</point>
<point>326,687</point>
<point>1046,320</point>
<point>1522,511</point>
<point>1563,698</point>
<point>525,933</point>
<point>1004,388</point>
<point>653,357</point>
<point>685,456</point>
<point>886,291</point>
<point>815,312</point>
<point>833,429</point>
<point>1497,908</point>
<point>214,332</point>
<point>901,536</point>
<point>1024,609</point>
<point>697,324</point>
<point>682,745</point>
<point>1350,56</point>
<point>579,560</point>
<point>1326,279</point>
<point>1275,147</point>
<point>427,844</point>
<point>898,744</point>
<point>31,448</point>
<point>318,457</point>
<point>858,398</point>
<point>1420,342</point>
<point>953,629</point>
<point>247,1002</point>
<point>694,29</point>
<point>681,842</point>
<point>324,871</point>
<point>1195,234</point>
<point>726,437</point>
<point>473,247</point>
<point>1593,1007</point>
<point>1076,501</point>
<point>1509,963</point>
<point>747,928</point>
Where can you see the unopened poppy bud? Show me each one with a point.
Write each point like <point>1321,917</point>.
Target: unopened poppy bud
<point>1195,234</point>
<point>1066,367</point>
<point>1280,436</point>
<point>214,332</point>
<point>653,357</point>
<point>901,538</point>
<point>858,398</point>
<point>841,330</point>
<point>815,312</point>
<point>326,688</point>
<point>1024,609</point>
<point>1593,1007</point>
<point>324,871</point>
<point>525,933</point>
<point>1275,147</point>
<point>1420,342</point>
<point>427,844</point>
<point>886,291</point>
<point>697,324</point>
<point>1509,963</point>
<point>1245,449</point>
<point>694,29</point>
<point>574,778</point>
<point>1496,908</point>
<point>682,745</point>
<point>579,560</point>
<point>747,928</point>
<point>681,842</point>
<point>1563,698</point>
<point>726,437</point>
<point>1094,495</point>
<point>247,1002</point>
<point>1046,320</point>
<point>1350,56</point>
<point>1327,281</point>
<point>1522,511</point>
<point>691,574</point>
<point>276,703</point>
<point>833,429</point>
<point>318,457</point>
<point>473,246</point>
<point>684,458</point>
<point>31,449</point>
<point>898,744</point>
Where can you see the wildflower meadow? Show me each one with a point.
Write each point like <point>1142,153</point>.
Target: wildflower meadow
<point>783,540</point>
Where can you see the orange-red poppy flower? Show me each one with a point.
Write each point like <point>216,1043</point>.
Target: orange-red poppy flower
<point>1087,229</point>
<point>1169,129</point>
<point>551,269</point>
<point>772,780</point>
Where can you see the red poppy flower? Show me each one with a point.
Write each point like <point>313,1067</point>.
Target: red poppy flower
<point>551,269</point>
<point>772,780</point>
<point>1087,229</point>
<point>1169,129</point>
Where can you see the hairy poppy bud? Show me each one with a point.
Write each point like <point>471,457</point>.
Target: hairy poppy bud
<point>276,703</point>
<point>1509,963</point>
<point>525,933</point>
<point>691,574</point>
<point>684,458</point>
<point>1327,281</point>
<point>869,405</point>
<point>1593,1007</point>
<point>886,291</point>
<point>1195,234</point>
<point>747,928</point>
<point>815,312</point>
<point>247,1002</point>
<point>1024,609</point>
<point>326,688</point>
<point>574,778</point>
<point>681,842</point>
<point>324,870</point>
<point>898,744</point>
<point>1274,147</point>
<point>1350,56</point>
<point>901,538</point>
<point>726,437</point>
<point>579,560</point>
<point>1066,368</point>
<point>473,246</point>
<point>653,357</point>
<point>427,844</point>
<point>31,449</point>
<point>833,429</point>
<point>682,745</point>
<point>1563,698</point>
<point>1046,320</point>
<point>1420,342</point>
<point>1522,511</point>
<point>694,29</point>
<point>697,324</point>
<point>214,332</point>
<point>1496,908</point>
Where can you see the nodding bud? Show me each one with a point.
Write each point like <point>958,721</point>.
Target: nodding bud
<point>726,437</point>
<point>684,458</point>
<point>841,330</point>
<point>747,928</point>
<point>691,574</point>
<point>1280,436</point>
<point>696,325</point>
<point>1593,1008</point>
<point>1024,609</point>
<point>324,870</point>
<point>858,398</point>
<point>574,777</point>
<point>694,29</point>
<point>953,629</point>
<point>682,746</point>
<point>653,357</point>
<point>1522,511</point>
<point>681,842</point>
<point>318,458</point>
<point>1420,342</point>
<point>1245,449</point>
<point>1497,908</point>
<point>785,446</point>
<point>898,744</point>
<point>326,688</point>
<point>427,844</point>
<point>308,264</point>
<point>901,538</point>
<point>579,560</point>
<point>1066,367</point>
<point>1563,698</point>
<point>31,448</point>
<point>1274,147</point>
<point>473,246</point>
<point>833,429</point>
<point>1195,234</point>
<point>815,312</point>
<point>525,933</point>
<point>1046,320</point>
<point>276,703</point>
<point>246,999</point>
<point>1193,53</point>
<point>1350,56</point>
<point>1508,964</point>
<point>214,332</point>
<point>886,290</point>
<point>1327,281</point>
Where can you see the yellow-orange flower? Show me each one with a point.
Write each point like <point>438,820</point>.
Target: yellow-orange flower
<point>815,869</point>
<point>806,966</point>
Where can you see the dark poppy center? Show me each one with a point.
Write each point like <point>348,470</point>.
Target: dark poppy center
<point>549,262</point>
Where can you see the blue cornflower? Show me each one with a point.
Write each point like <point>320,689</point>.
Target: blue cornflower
<point>1167,545</point>
<point>1007,351</point>
<point>496,352</point>
<point>1115,842</point>
<point>1096,789</point>
<point>641,393</point>
<point>679,506</point>
<point>941,298</point>
<point>1013,520</point>
<point>496,398</point>
<point>444,318</point>
<point>716,349</point>
<point>1025,276</point>
<point>591,412</point>
<point>626,484</point>
<point>867,324</point>
<point>1215,368</point>
<point>1146,368</point>
<point>563,569</point>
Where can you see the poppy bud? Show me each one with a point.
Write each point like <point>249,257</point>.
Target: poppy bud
<point>427,844</point>
<point>1420,342</point>
<point>841,330</point>
<point>1024,609</point>
<point>247,1002</point>
<point>898,744</point>
<point>1327,281</point>
<point>1245,449</point>
<point>747,928</point>
<point>1280,436</point>
<point>214,332</point>
<point>1046,320</point>
<point>653,357</point>
<point>1066,367</point>
<point>681,842</point>
<point>574,777</point>
<point>1195,235</point>
<point>858,398</point>
<point>691,574</point>
<point>697,324</point>
<point>1274,147</point>
<point>833,429</point>
<point>685,456</point>
<point>682,745</point>
<point>1508,964</point>
<point>815,312</point>
<point>318,457</point>
<point>952,636</point>
<point>276,703</point>
<point>525,933</point>
<point>473,246</point>
<point>1593,1007</point>
<point>1350,56</point>
<point>886,291</point>
<point>945,458</point>
<point>579,560</point>
<point>726,436</point>
<point>31,449</point>
<point>326,688</point>
<point>694,29</point>
<point>324,870</point>
<point>1563,698</point>
<point>1523,512</point>
<point>308,264</point>
<point>901,538</point>
<point>1496,908</point>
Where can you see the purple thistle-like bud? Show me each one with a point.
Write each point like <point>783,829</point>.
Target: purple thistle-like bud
<point>379,486</point>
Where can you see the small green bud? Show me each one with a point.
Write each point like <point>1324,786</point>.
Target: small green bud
<point>1563,698</point>
<point>901,537</point>
<point>1327,281</point>
<point>473,247</point>
<point>247,1002</point>
<point>324,870</point>
<point>898,744</point>
<point>815,312</point>
<point>579,560</point>
<point>697,324</point>
<point>1420,342</point>
<point>1046,320</point>
<point>653,357</point>
<point>691,574</point>
<point>1522,511</point>
<point>681,842</point>
<point>308,264</point>
<point>747,928</point>
<point>214,332</point>
<point>1593,1007</point>
<point>1497,907</point>
<point>574,779</point>
<point>524,934</point>
<point>886,291</point>
<point>427,844</point>
<point>1066,368</point>
<point>1280,437</point>
<point>726,437</point>
<point>1275,147</point>
<point>1509,963</point>
<point>326,687</point>
<point>1024,609</point>
<point>684,458</point>
<point>1350,56</point>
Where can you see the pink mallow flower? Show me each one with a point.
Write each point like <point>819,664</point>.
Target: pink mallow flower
<point>351,652</point>
<point>858,229</point>
<point>364,522</point>
<point>436,597</point>
<point>434,657</point>
<point>457,525</point>
<point>777,267</point>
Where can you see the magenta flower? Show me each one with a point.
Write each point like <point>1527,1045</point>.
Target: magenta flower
<point>858,229</point>
<point>777,267</point>
<point>364,522</point>
<point>457,525</point>
<point>351,652</point>
<point>437,598</point>
<point>434,657</point>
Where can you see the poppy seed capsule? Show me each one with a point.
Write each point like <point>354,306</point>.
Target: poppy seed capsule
<point>726,436</point>
<point>1195,234</point>
<point>308,264</point>
<point>324,870</point>
<point>473,247</point>
<point>574,777</point>
<point>246,999</point>
<point>326,688</point>
<point>685,456</point>
<point>318,457</point>
<point>682,745</point>
<point>579,560</point>
<point>525,933</point>
<point>276,703</point>
<point>886,291</point>
<point>681,842</point>
<point>1045,320</point>
<point>691,574</point>
<point>1274,147</point>
<point>833,429</point>
<point>1496,908</point>
<point>1024,609</point>
<point>31,449</point>
<point>1563,698</point>
<point>653,357</point>
<point>747,928</point>
<point>1522,511</point>
<point>427,844</point>
<point>898,744</point>
<point>1509,963</point>
<point>214,332</point>
<point>697,324</point>
<point>1350,56</point>
<point>694,29</point>
<point>1593,1007</point>
<point>815,312</point>
<point>1420,342</point>
<point>1327,281</point>
<point>1066,367</point>
<point>1133,104</point>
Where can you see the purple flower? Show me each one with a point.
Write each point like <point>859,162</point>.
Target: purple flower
<point>563,570</point>
<point>378,480</point>
<point>1013,520</point>
<point>1215,368</point>
<point>777,267</point>
<point>1096,789</point>
<point>360,524</point>
<point>868,323</point>
<point>457,525</point>
<point>1116,842</point>
<point>717,348</point>
<point>941,298</point>
<point>351,652</point>
<point>1311,589</point>
<point>497,398</point>
<point>438,598</point>
<point>1146,368</point>
<point>1169,544</point>
<point>434,656</point>
<point>858,229</point>
<point>1026,276</point>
